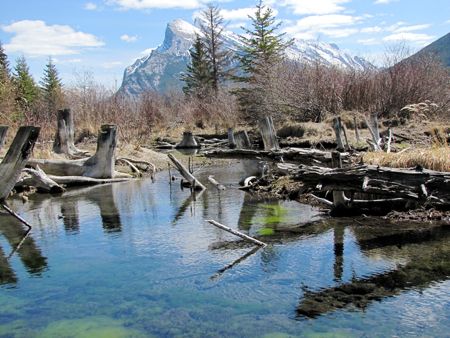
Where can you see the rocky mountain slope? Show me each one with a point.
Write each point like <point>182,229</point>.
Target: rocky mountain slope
<point>161,69</point>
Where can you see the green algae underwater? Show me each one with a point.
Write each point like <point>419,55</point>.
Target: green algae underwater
<point>137,259</point>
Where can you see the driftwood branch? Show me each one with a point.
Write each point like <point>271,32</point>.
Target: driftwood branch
<point>218,185</point>
<point>236,233</point>
<point>186,174</point>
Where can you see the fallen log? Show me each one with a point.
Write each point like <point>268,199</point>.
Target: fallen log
<point>237,233</point>
<point>215,183</point>
<point>186,174</point>
<point>295,155</point>
<point>409,184</point>
<point>100,165</point>
<point>16,158</point>
<point>38,179</point>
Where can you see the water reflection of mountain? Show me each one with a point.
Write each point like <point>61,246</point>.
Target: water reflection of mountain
<point>427,251</point>
<point>22,243</point>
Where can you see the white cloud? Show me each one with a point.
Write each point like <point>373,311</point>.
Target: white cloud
<point>90,6</point>
<point>333,25</point>
<point>368,42</point>
<point>411,28</point>
<point>315,6</point>
<point>128,38</point>
<point>112,64</point>
<point>383,2</point>
<point>418,38</point>
<point>36,38</point>
<point>374,29</point>
<point>155,4</point>
<point>237,14</point>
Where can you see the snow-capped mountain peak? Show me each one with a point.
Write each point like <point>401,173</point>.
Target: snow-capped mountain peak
<point>162,68</point>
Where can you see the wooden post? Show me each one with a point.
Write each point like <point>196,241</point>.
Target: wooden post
<point>188,141</point>
<point>242,140</point>
<point>237,233</point>
<point>268,134</point>
<point>355,122</point>
<point>374,131</point>
<point>185,173</point>
<point>231,140</point>
<point>338,131</point>
<point>3,132</point>
<point>16,158</point>
<point>338,196</point>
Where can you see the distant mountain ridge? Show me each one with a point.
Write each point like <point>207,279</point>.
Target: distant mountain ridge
<point>161,70</point>
<point>440,48</point>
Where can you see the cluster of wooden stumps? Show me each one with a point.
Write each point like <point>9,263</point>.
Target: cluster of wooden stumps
<point>332,178</point>
<point>18,171</point>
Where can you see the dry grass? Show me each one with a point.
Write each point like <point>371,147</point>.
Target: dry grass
<point>434,158</point>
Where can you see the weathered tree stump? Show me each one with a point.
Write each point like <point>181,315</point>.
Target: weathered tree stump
<point>100,165</point>
<point>65,134</point>
<point>231,139</point>
<point>3,132</point>
<point>268,134</point>
<point>337,127</point>
<point>16,159</point>
<point>188,141</point>
<point>242,140</point>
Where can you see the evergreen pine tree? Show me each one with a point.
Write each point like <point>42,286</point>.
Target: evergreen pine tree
<point>6,86</point>
<point>51,87</point>
<point>211,26</point>
<point>262,48</point>
<point>26,89</point>
<point>198,79</point>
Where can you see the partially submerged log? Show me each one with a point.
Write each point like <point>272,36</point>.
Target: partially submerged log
<point>16,159</point>
<point>295,155</point>
<point>65,134</point>
<point>194,183</point>
<point>218,185</point>
<point>237,233</point>
<point>100,165</point>
<point>268,133</point>
<point>188,141</point>
<point>3,132</point>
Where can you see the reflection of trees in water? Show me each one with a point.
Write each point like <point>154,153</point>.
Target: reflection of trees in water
<point>69,212</point>
<point>24,245</point>
<point>428,253</point>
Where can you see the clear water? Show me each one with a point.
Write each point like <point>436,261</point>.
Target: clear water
<point>138,260</point>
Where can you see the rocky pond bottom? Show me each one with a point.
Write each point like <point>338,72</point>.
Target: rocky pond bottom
<point>138,259</point>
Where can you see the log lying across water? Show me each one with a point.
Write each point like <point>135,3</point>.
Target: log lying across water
<point>293,155</point>
<point>419,184</point>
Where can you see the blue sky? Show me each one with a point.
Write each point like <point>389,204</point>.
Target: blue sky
<point>105,36</point>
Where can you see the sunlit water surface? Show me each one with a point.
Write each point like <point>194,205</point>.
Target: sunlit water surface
<point>137,259</point>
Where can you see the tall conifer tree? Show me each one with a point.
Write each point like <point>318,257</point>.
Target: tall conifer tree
<point>27,91</point>
<point>51,87</point>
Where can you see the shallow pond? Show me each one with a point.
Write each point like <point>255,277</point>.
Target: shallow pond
<point>137,259</point>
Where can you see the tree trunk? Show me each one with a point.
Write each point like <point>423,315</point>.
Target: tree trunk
<point>188,141</point>
<point>231,140</point>
<point>64,138</point>
<point>100,165</point>
<point>38,179</point>
<point>337,127</point>
<point>242,140</point>
<point>16,158</point>
<point>3,132</point>
<point>268,134</point>
<point>338,196</point>
<point>355,122</point>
